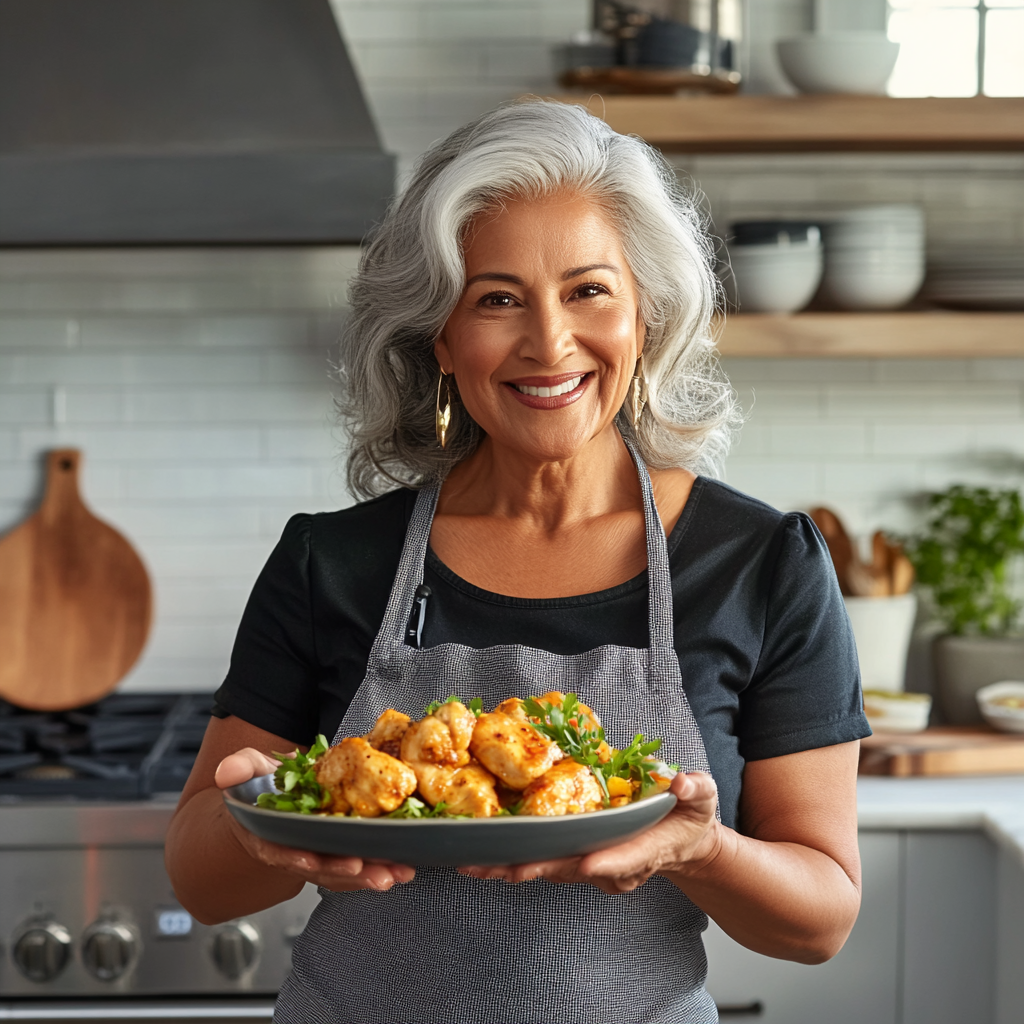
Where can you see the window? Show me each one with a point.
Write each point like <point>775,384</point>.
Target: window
<point>957,47</point>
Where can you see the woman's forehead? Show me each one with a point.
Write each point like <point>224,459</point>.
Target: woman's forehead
<point>572,229</point>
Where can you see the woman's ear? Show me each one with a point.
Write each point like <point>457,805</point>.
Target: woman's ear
<point>441,353</point>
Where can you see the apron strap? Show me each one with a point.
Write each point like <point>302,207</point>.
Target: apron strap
<point>417,539</point>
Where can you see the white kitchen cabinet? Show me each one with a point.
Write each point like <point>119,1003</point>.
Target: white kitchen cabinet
<point>939,940</point>
<point>860,984</point>
<point>950,935</point>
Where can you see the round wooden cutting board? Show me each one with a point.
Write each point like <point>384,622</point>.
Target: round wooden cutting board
<point>75,600</point>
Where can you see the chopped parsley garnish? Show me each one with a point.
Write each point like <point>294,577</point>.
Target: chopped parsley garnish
<point>476,705</point>
<point>296,781</point>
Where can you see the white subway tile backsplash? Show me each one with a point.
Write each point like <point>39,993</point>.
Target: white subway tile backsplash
<point>201,639</point>
<point>176,675</point>
<point>927,401</point>
<point>896,439</point>
<point>481,22</point>
<point>187,599</point>
<point>23,405</point>
<point>317,443</point>
<point>134,444</point>
<point>160,520</point>
<point>225,562</point>
<point>202,404</point>
<point>201,481</point>
<point>763,476</point>
<point>33,332</point>
<point>380,20</point>
<point>890,478</point>
<point>824,441</point>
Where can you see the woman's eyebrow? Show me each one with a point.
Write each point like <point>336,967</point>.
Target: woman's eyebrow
<point>577,271</point>
<point>494,276</point>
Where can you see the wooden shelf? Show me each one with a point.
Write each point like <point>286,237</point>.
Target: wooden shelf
<point>763,124</point>
<point>910,335</point>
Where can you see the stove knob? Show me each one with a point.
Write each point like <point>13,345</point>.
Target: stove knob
<point>108,949</point>
<point>42,951</point>
<point>235,948</point>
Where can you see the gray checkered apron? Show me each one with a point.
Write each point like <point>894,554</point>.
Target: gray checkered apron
<point>447,948</point>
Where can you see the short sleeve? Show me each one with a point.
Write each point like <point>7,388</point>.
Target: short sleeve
<point>273,678</point>
<point>805,692</point>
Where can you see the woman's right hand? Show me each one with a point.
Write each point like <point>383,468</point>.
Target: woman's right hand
<point>339,874</point>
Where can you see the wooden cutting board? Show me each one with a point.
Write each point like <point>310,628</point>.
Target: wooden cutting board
<point>75,600</point>
<point>943,750</point>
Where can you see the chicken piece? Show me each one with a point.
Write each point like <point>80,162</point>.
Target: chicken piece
<point>388,731</point>
<point>513,707</point>
<point>469,790</point>
<point>441,738</point>
<point>567,788</point>
<point>512,749</point>
<point>590,720</point>
<point>366,781</point>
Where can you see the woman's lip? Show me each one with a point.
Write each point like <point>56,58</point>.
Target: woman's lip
<point>547,382</point>
<point>558,402</point>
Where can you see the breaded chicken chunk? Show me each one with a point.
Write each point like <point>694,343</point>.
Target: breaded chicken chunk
<point>365,781</point>
<point>566,788</point>
<point>512,749</point>
<point>470,790</point>
<point>388,731</point>
<point>440,738</point>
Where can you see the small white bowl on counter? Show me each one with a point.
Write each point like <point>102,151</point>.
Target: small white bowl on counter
<point>843,62</point>
<point>775,266</point>
<point>897,712</point>
<point>1002,705</point>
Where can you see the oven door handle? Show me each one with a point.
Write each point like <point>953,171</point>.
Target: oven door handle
<point>247,1011</point>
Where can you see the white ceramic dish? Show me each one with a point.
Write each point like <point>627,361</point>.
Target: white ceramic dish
<point>774,278</point>
<point>873,279</point>
<point>435,841</point>
<point>897,712</point>
<point>882,628</point>
<point>844,62</point>
<point>1001,716</point>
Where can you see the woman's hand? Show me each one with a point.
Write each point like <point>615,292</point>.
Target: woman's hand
<point>685,839</point>
<point>340,874</point>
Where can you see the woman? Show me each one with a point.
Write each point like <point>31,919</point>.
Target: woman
<point>530,392</point>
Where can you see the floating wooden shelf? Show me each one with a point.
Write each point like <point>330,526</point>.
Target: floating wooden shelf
<point>763,124</point>
<point>909,335</point>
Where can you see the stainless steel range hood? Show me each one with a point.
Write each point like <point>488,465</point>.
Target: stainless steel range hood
<point>154,122</point>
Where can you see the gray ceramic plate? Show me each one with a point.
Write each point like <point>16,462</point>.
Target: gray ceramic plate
<point>437,841</point>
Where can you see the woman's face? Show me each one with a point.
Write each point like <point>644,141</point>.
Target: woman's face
<point>545,337</point>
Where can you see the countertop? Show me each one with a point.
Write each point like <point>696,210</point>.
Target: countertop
<point>994,804</point>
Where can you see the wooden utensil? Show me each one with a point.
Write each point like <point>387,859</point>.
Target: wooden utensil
<point>840,547</point>
<point>75,600</point>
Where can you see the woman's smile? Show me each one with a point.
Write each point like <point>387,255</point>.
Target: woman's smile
<point>550,392</point>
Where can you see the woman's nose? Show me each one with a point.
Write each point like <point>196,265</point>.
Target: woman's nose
<point>549,337</point>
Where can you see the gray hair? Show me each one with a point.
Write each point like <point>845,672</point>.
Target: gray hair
<point>412,274</point>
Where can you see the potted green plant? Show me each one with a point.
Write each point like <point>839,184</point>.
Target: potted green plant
<point>963,559</point>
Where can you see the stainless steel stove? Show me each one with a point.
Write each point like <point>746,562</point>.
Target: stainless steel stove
<point>89,925</point>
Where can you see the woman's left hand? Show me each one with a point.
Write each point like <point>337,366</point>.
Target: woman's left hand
<point>687,837</point>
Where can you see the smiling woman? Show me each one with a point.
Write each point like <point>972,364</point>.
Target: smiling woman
<point>536,414</point>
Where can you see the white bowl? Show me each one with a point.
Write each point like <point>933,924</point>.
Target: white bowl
<point>897,712</point>
<point>850,62</point>
<point>1002,705</point>
<point>878,227</point>
<point>873,279</point>
<point>775,278</point>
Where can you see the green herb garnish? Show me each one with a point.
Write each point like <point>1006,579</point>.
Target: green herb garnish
<point>476,705</point>
<point>416,808</point>
<point>296,781</point>
<point>565,726</point>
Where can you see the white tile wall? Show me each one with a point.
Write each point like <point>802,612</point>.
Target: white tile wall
<point>196,383</point>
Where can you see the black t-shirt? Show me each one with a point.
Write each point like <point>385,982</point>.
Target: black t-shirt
<point>765,648</point>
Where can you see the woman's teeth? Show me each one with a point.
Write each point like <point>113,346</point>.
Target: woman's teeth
<point>559,389</point>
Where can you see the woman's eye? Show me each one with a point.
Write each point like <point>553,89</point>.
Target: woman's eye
<point>497,300</point>
<point>589,291</point>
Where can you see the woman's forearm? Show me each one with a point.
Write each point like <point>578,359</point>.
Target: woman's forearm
<point>214,876</point>
<point>777,898</point>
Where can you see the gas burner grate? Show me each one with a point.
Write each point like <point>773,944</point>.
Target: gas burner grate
<point>125,747</point>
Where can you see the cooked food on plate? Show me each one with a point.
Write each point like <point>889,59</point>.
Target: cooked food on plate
<point>540,756</point>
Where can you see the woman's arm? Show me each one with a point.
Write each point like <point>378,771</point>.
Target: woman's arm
<point>220,870</point>
<point>789,887</point>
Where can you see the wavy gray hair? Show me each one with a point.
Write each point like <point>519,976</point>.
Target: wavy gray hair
<point>412,274</point>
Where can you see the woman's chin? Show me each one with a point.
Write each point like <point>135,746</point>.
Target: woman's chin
<point>549,445</point>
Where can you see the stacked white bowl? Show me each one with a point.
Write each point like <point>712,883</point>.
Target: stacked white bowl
<point>775,265</point>
<point>874,257</point>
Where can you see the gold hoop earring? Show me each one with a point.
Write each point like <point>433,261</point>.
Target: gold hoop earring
<point>443,417</point>
<point>637,393</point>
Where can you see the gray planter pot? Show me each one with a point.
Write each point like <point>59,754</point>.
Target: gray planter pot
<point>964,664</point>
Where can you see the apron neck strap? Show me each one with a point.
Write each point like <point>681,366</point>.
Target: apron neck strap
<point>417,539</point>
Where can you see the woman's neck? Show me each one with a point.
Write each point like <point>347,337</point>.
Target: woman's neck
<point>551,495</point>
